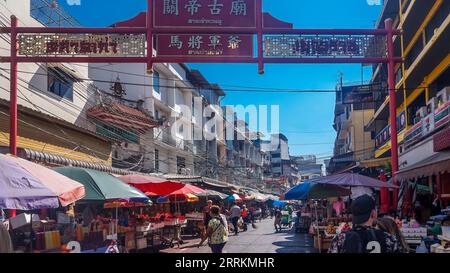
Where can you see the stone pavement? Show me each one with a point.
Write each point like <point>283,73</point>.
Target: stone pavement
<point>260,240</point>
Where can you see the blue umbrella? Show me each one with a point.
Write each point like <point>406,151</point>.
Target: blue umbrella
<point>310,190</point>
<point>279,203</point>
<point>233,198</point>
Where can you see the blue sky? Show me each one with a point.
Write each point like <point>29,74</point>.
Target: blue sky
<point>305,118</point>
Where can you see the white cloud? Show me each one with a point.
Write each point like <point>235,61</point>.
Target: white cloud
<point>374,2</point>
<point>74,2</point>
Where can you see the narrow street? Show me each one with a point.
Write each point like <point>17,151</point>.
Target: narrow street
<point>260,240</point>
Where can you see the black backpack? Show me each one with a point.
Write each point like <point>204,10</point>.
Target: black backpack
<point>361,240</point>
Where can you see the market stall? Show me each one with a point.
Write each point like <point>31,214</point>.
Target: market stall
<point>40,189</point>
<point>177,198</point>
<point>97,213</point>
<point>433,237</point>
<point>321,228</point>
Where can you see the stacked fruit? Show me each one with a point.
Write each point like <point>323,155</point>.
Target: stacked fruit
<point>331,229</point>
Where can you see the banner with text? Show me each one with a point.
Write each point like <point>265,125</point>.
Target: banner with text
<point>207,45</point>
<point>204,13</point>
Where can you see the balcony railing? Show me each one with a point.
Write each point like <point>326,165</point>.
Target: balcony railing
<point>385,135</point>
<point>438,118</point>
<point>428,125</point>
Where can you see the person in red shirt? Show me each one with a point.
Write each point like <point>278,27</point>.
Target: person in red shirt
<point>245,216</point>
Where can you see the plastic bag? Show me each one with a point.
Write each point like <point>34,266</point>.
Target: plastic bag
<point>422,248</point>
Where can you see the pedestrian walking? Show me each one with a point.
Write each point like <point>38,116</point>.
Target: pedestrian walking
<point>206,218</point>
<point>277,222</point>
<point>207,212</point>
<point>363,237</point>
<point>235,215</point>
<point>217,230</point>
<point>245,217</point>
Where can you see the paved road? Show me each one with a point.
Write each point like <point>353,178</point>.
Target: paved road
<point>260,240</point>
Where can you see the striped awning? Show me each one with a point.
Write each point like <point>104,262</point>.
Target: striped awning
<point>183,178</point>
<point>52,159</point>
<point>434,165</point>
<point>374,163</point>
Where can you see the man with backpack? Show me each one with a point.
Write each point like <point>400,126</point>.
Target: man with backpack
<point>363,237</point>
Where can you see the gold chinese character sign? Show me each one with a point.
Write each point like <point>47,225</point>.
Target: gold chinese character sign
<point>82,44</point>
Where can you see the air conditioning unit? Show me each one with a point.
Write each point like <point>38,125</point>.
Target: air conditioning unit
<point>443,96</point>
<point>432,105</point>
<point>421,113</point>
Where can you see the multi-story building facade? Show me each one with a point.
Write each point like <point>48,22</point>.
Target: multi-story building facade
<point>282,173</point>
<point>422,87</point>
<point>209,146</point>
<point>307,167</point>
<point>163,96</point>
<point>53,99</point>
<point>353,143</point>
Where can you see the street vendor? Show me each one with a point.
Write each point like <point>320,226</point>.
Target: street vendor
<point>339,206</point>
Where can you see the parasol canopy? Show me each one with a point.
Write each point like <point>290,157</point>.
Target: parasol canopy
<point>178,198</point>
<point>213,193</point>
<point>279,203</point>
<point>233,198</point>
<point>102,186</point>
<point>152,186</point>
<point>352,180</point>
<point>25,185</point>
<point>309,190</point>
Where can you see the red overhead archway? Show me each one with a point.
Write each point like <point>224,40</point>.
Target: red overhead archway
<point>217,33</point>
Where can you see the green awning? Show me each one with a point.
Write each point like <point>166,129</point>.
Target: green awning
<point>102,186</point>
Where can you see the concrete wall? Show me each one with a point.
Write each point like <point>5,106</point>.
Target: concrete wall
<point>419,152</point>
<point>361,141</point>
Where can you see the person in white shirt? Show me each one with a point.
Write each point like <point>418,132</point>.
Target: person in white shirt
<point>235,215</point>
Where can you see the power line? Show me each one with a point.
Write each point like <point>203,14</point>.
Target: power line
<point>271,90</point>
<point>145,150</point>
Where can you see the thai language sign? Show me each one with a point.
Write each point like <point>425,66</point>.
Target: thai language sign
<point>361,93</point>
<point>210,45</point>
<point>82,44</point>
<point>204,13</point>
<point>321,46</point>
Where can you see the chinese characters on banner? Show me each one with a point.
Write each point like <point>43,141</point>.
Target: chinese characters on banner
<point>211,45</point>
<point>82,44</point>
<point>204,13</point>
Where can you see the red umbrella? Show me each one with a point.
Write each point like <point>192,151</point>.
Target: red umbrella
<point>152,186</point>
<point>188,189</point>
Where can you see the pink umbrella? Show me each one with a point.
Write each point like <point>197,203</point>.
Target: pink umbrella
<point>352,180</point>
<point>25,185</point>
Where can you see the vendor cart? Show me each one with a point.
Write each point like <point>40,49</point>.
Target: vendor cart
<point>286,219</point>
